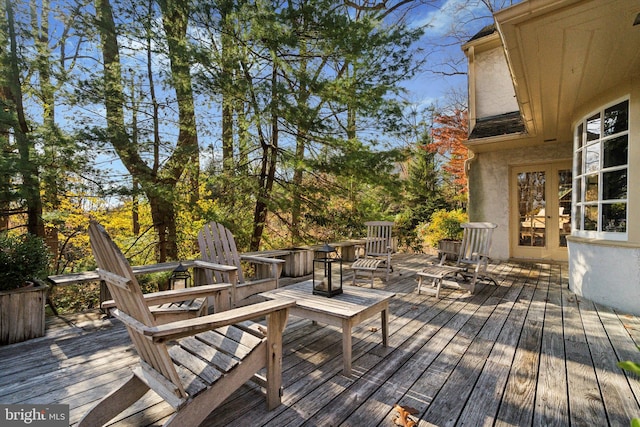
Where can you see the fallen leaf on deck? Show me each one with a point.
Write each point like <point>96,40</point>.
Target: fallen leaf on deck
<point>403,418</point>
<point>373,329</point>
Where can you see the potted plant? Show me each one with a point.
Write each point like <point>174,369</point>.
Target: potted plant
<point>445,232</point>
<point>23,261</point>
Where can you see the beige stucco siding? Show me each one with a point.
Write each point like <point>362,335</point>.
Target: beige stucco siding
<point>494,89</point>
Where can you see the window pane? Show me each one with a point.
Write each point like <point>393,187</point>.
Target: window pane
<point>593,158</point>
<point>579,134</point>
<point>579,162</point>
<point>614,217</point>
<point>591,218</point>
<point>591,190</point>
<point>616,118</point>
<point>614,185</point>
<point>593,127</point>
<point>579,217</point>
<point>615,152</point>
<point>564,197</point>
<point>578,186</point>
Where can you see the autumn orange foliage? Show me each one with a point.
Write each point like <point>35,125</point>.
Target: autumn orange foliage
<point>449,132</point>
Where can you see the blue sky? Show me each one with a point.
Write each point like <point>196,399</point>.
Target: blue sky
<point>441,19</point>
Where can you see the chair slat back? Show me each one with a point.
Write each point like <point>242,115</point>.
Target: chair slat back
<point>115,270</point>
<point>217,245</point>
<point>378,241</point>
<point>476,242</point>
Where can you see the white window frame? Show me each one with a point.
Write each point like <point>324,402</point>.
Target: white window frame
<point>579,202</point>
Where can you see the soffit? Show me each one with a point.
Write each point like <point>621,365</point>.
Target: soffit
<point>563,53</point>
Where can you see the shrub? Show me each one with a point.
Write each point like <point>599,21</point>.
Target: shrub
<point>22,258</point>
<point>444,225</point>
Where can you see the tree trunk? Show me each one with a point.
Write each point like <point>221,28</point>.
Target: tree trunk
<point>227,76</point>
<point>164,223</point>
<point>27,164</point>
<point>268,169</point>
<point>298,171</point>
<point>159,191</point>
<point>175,18</point>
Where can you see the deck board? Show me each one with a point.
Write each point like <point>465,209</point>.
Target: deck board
<point>526,352</point>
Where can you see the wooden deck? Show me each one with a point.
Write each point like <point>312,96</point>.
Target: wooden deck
<point>526,352</point>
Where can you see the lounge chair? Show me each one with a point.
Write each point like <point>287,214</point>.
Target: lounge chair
<point>471,262</point>
<point>378,249</point>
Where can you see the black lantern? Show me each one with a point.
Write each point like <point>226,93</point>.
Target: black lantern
<point>180,278</point>
<point>327,272</point>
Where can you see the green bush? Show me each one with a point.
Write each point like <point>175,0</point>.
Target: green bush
<point>444,225</point>
<point>22,258</point>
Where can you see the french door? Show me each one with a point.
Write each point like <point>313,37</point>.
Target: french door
<point>540,211</point>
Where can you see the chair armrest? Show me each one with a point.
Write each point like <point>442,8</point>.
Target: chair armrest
<point>261,260</point>
<point>213,266</point>
<point>183,328</point>
<point>163,297</point>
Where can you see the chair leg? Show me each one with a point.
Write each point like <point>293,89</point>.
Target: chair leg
<point>435,283</point>
<point>115,402</point>
<point>472,289</point>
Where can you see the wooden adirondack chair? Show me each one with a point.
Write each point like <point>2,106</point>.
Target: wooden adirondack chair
<point>378,248</point>
<point>217,245</point>
<point>192,364</point>
<point>166,306</point>
<point>472,258</point>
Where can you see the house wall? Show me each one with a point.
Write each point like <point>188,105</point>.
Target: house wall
<point>493,86</point>
<point>608,272</point>
<point>489,185</point>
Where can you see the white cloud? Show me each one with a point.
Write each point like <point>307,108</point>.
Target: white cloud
<point>439,22</point>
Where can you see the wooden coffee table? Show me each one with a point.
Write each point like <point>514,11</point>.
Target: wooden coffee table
<point>346,310</point>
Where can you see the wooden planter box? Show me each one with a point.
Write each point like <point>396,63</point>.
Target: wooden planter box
<point>22,314</point>
<point>299,262</point>
<point>450,247</point>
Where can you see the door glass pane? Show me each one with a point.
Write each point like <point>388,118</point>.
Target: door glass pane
<point>564,202</point>
<point>531,208</point>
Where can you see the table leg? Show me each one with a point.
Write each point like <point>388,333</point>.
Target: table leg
<point>346,347</point>
<point>384,314</point>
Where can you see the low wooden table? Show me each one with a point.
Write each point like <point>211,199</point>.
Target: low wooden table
<point>346,310</point>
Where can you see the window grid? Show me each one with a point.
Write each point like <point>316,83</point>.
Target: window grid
<point>601,173</point>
